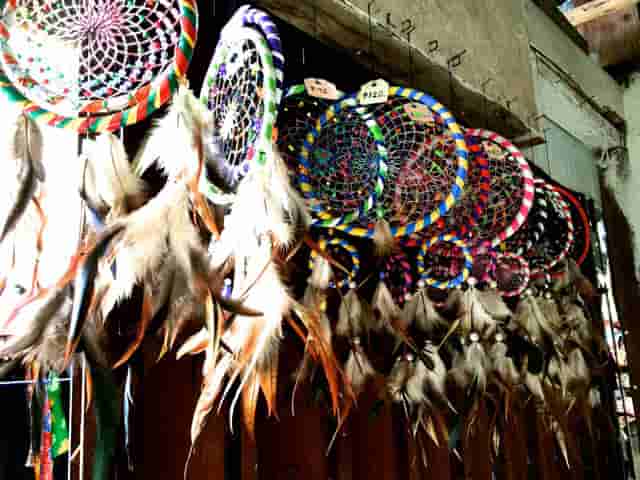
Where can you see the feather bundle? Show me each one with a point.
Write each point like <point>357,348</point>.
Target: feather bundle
<point>421,312</point>
<point>406,381</point>
<point>528,317</point>
<point>171,142</point>
<point>26,153</point>
<point>502,367</point>
<point>493,304</point>
<point>385,309</point>
<point>111,178</point>
<point>352,318</point>
<point>358,369</point>
<point>383,240</point>
<point>435,379</point>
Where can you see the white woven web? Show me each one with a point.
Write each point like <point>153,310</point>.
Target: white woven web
<point>119,45</point>
<point>236,98</point>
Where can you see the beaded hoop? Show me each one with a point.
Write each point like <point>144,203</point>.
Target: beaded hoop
<point>427,279</point>
<point>241,89</point>
<point>124,69</point>
<point>581,229</point>
<point>539,246</point>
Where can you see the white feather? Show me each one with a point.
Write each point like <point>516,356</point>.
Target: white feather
<point>111,171</point>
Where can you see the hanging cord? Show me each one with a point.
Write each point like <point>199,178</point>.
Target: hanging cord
<point>372,64</point>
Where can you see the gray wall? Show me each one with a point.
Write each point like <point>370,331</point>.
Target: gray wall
<point>552,40</point>
<point>493,32</point>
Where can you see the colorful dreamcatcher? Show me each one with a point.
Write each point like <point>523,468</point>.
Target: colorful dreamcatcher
<point>448,267</point>
<point>243,89</point>
<point>357,190</point>
<point>547,235</point>
<point>301,106</point>
<point>97,65</point>
<point>496,202</point>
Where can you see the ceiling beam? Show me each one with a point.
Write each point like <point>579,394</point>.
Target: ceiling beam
<point>596,9</point>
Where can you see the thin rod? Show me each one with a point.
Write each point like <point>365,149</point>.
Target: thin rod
<point>83,402</point>
<point>29,382</point>
<point>70,426</point>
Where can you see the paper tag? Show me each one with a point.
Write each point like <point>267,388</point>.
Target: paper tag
<point>320,88</point>
<point>375,91</point>
<point>419,113</point>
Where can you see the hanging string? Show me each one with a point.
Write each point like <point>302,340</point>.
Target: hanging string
<point>372,64</point>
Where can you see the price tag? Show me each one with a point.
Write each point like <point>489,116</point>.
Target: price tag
<point>319,88</point>
<point>375,91</point>
<point>419,113</point>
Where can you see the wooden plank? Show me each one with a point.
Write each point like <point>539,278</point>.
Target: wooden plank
<point>596,9</point>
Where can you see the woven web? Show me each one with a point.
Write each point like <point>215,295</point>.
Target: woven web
<point>542,238</point>
<point>506,192</point>
<point>344,165</point>
<point>236,99</point>
<point>421,163</point>
<point>296,118</point>
<point>471,207</point>
<point>92,53</point>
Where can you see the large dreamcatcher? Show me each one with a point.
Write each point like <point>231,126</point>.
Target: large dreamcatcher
<point>349,169</point>
<point>95,65</point>
<point>243,89</point>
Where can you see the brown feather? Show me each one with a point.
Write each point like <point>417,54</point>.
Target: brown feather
<point>351,316</point>
<point>195,344</point>
<point>358,369</point>
<point>145,320</point>
<point>383,240</point>
<point>250,403</point>
<point>384,307</point>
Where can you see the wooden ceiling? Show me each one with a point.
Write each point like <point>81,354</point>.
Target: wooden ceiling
<point>611,28</point>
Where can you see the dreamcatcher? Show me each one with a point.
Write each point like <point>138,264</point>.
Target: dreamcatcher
<point>351,188</point>
<point>547,236</point>
<point>243,89</point>
<point>435,274</point>
<point>581,226</point>
<point>495,203</point>
<point>301,106</point>
<point>95,66</point>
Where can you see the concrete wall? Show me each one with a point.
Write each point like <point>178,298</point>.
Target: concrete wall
<point>548,37</point>
<point>493,33</point>
<point>624,177</point>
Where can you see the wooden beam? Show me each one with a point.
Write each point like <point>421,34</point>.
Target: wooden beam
<point>596,9</point>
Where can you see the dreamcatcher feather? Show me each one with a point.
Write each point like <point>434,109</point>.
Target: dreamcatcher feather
<point>421,391</point>
<point>349,312</point>
<point>25,152</point>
